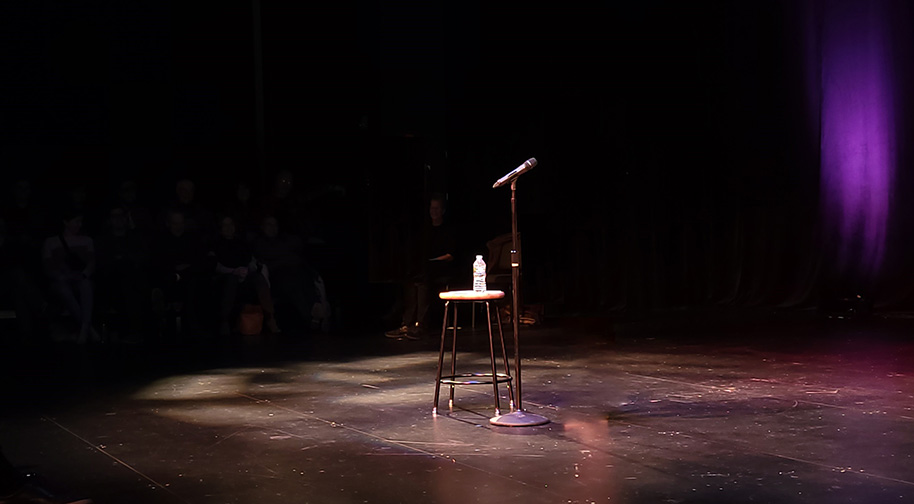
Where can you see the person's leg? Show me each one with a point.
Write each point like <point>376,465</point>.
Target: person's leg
<point>84,288</point>
<point>292,289</point>
<point>265,298</point>
<point>229,287</point>
<point>321,313</point>
<point>192,287</point>
<point>427,294</point>
<point>410,304</point>
<point>433,306</point>
<point>136,291</point>
<point>64,292</point>
<point>423,300</point>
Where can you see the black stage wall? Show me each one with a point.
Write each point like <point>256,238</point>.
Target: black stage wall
<point>678,144</point>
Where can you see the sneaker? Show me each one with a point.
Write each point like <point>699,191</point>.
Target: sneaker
<point>416,332</point>
<point>400,332</point>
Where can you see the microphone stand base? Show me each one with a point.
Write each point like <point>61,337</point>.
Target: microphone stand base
<point>518,419</point>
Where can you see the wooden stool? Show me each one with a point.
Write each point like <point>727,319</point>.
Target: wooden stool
<point>493,377</point>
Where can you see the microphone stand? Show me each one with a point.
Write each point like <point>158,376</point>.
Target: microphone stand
<point>518,417</point>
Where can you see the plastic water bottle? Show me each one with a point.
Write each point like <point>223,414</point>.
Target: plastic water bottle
<point>479,274</point>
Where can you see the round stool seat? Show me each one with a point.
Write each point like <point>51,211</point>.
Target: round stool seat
<point>471,295</point>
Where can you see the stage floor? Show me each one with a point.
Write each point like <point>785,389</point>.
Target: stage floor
<point>777,412</point>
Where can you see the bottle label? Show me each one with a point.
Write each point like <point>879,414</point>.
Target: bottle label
<point>479,275</point>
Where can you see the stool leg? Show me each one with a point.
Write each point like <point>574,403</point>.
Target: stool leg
<point>450,403</point>
<point>492,360</point>
<point>504,358</point>
<point>440,361</point>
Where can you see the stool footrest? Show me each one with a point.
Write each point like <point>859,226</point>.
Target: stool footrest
<point>472,379</point>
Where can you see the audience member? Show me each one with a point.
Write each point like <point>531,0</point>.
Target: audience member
<point>20,288</point>
<point>130,259</point>
<point>69,260</point>
<point>22,212</point>
<point>291,279</point>
<point>122,280</point>
<point>139,218</point>
<point>27,226</point>
<point>76,198</point>
<point>180,273</point>
<point>239,274</point>
<point>285,203</point>
<point>197,218</point>
<point>241,210</point>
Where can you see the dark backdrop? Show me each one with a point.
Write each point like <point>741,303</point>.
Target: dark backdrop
<point>677,144</point>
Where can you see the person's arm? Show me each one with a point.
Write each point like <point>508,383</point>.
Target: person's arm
<point>450,244</point>
<point>223,269</point>
<point>240,271</point>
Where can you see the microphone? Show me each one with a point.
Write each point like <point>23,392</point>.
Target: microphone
<point>517,172</point>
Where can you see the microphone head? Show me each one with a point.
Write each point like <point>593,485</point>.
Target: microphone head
<point>517,172</point>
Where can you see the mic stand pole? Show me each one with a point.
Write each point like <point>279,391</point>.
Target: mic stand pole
<point>518,417</point>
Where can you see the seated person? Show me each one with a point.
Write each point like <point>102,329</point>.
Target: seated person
<point>123,257</point>
<point>431,274</point>
<point>239,273</point>
<point>69,261</point>
<point>179,271</point>
<point>197,218</point>
<point>290,278</point>
<point>19,287</point>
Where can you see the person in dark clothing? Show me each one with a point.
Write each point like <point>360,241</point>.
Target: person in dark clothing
<point>27,225</point>
<point>197,218</point>
<point>290,277</point>
<point>139,218</point>
<point>239,273</point>
<point>242,211</point>
<point>180,272</point>
<point>288,206</point>
<point>431,273</point>
<point>22,270</point>
<point>69,260</point>
<point>123,283</point>
<point>19,288</point>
